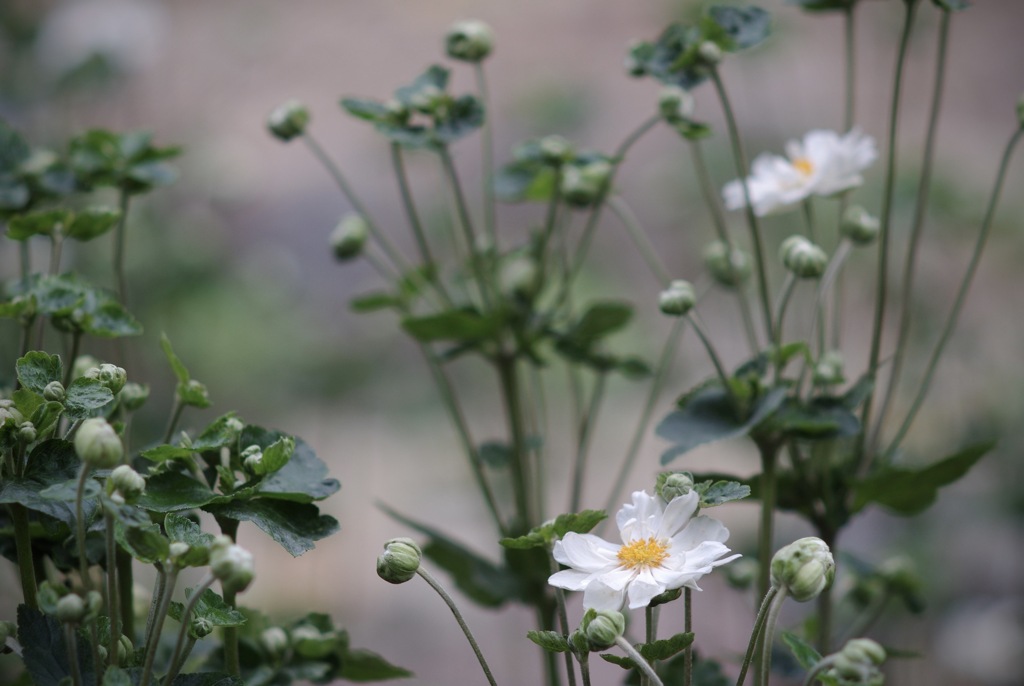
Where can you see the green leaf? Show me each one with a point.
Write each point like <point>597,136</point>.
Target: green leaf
<point>821,418</point>
<point>37,369</point>
<point>106,317</point>
<point>373,302</point>
<point>435,76</point>
<point>552,641</point>
<point>176,365</point>
<point>163,453</point>
<point>620,660</point>
<point>480,579</point>
<point>745,26</point>
<point>84,396</point>
<point>370,110</point>
<point>707,416</point>
<point>951,5</point>
<point>183,529</point>
<point>823,5</point>
<point>803,651</point>
<point>600,320</point>
<point>465,116</point>
<point>296,526</point>
<point>50,462</point>
<point>909,491</point>
<point>455,325</point>
<point>13,148</point>
<point>92,222</point>
<point>220,433</point>
<point>543,535</point>
<point>275,456</point>
<point>146,544</point>
<point>42,222</point>
<point>207,679</point>
<point>303,479</point>
<point>44,651</point>
<point>363,666</point>
<point>665,648</point>
<point>721,492</point>
<point>210,607</point>
<point>174,492</point>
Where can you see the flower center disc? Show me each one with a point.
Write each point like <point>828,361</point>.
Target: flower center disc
<point>804,166</point>
<point>646,552</point>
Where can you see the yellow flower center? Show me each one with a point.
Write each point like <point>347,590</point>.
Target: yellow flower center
<point>804,166</point>
<point>646,552</point>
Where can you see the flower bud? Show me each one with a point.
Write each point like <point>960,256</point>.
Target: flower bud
<point>27,433</point>
<point>555,150</point>
<point>231,564</point>
<point>128,482</point>
<point>634,64</point>
<point>93,603</point>
<point>676,103</point>
<point>521,277</point>
<point>71,609</point>
<point>82,365</point>
<point>859,225</point>
<point>709,52</point>
<point>311,643</point>
<point>177,550</point>
<point>583,185</point>
<point>196,393</point>
<point>804,568</point>
<point>7,629</point>
<point>857,663</point>
<point>124,649</point>
<point>111,376</point>
<point>54,392</point>
<point>469,41</point>
<point>9,414</point>
<point>829,370</point>
<point>678,299</point>
<point>803,258</point>
<point>274,640</point>
<point>399,561</point>
<point>864,650</point>
<point>251,457</point>
<point>602,627</point>
<point>675,485</point>
<point>97,444</point>
<point>133,396</point>
<point>288,120</point>
<point>349,237</point>
<point>729,266</point>
<point>200,627</point>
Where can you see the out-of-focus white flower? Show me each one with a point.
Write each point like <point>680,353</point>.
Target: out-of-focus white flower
<point>823,163</point>
<point>664,547</point>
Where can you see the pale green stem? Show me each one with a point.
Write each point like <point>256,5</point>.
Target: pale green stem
<point>176,656</point>
<point>71,639</point>
<point>83,560</point>
<point>76,341</point>
<point>648,638</point>
<point>172,423</point>
<point>158,626</point>
<point>113,600</point>
<point>640,239</point>
<point>961,294</point>
<point>808,208</point>
<point>56,247</point>
<point>462,622</point>
<point>832,271</point>
<point>584,436</point>
<point>850,62</point>
<point>708,189</point>
<point>487,157</point>
<point>769,636</point>
<point>509,383</point>
<point>698,328</point>
<point>23,546</point>
<point>584,661</point>
<point>821,666</point>
<point>769,456</point>
<point>688,628</point>
<point>120,238</point>
<point>563,619</point>
<point>538,427</point>
<point>755,634</point>
<point>126,586</point>
<point>154,605</point>
<point>645,668</point>
<point>785,295</point>
<point>462,209</point>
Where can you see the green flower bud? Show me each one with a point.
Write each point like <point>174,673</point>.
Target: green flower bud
<point>803,258</point>
<point>678,299</point>
<point>27,433</point>
<point>176,551</point>
<point>111,376</point>
<point>231,564</point>
<point>676,103</point>
<point>97,444</point>
<point>555,150</point>
<point>583,185</point>
<point>804,568</point>
<point>251,457</point>
<point>310,642</point>
<point>399,561</point>
<point>124,649</point>
<point>859,225</point>
<point>709,52</point>
<point>54,392</point>
<point>275,641</point>
<point>349,237</point>
<point>288,120</point>
<point>196,393</point>
<point>675,485</point>
<point>521,277</point>
<point>71,609</point>
<point>429,100</point>
<point>469,41</point>
<point>133,396</point>
<point>93,603</point>
<point>128,482</point>
<point>742,573</point>
<point>829,370</point>
<point>864,650</point>
<point>602,628</point>
<point>9,415</point>
<point>200,627</point>
<point>729,266</point>
<point>633,62</point>
<point>82,365</point>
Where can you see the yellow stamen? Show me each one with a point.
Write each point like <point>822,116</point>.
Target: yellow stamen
<point>647,552</point>
<point>804,166</point>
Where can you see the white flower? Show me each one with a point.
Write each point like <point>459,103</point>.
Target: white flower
<point>664,547</point>
<point>824,163</point>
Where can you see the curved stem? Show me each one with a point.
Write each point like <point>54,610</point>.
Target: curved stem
<point>707,187</point>
<point>920,210</point>
<point>645,668</point>
<point>462,622</point>
<point>154,605</point>
<point>961,294</point>
<point>769,636</point>
<point>120,238</point>
<point>780,310</point>
<point>698,328</point>
<point>487,157</point>
<point>755,633</point>
<point>125,588</point>
<point>821,666</point>
<point>172,423</point>
<point>176,657</point>
<point>462,209</point>
<point>756,238</point>
<point>583,439</point>
<point>640,239</point>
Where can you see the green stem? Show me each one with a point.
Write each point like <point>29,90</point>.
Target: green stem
<point>158,626</point>
<point>176,656</point>
<point>850,62</point>
<point>24,260</point>
<point>487,157</point>
<point>885,220</point>
<point>232,662</point>
<point>688,628</point>
<point>916,226</point>
<point>821,666</point>
<point>645,668</point>
<point>23,546</point>
<point>768,455</point>
<point>785,295</point>
<point>125,590</point>
<point>154,605</point>
<point>808,209</point>
<point>83,561</point>
<point>76,342</point>
<point>56,247</point>
<point>711,198</point>
<point>755,634</point>
<point>648,638</point>
<point>71,640</point>
<point>640,239</point>
<point>507,376</point>
<point>462,209</point>
<point>961,294</point>
<point>120,232</point>
<point>756,238</point>
<point>702,334</point>
<point>458,618</point>
<point>584,661</point>
<point>113,604</point>
<point>563,619</point>
<point>769,636</point>
<point>584,436</point>
<point>172,423</point>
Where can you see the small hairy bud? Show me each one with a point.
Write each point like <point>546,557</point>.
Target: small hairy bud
<point>27,433</point>
<point>133,396</point>
<point>602,628</point>
<point>349,237</point>
<point>97,444</point>
<point>200,627</point>
<point>110,375</point>
<point>521,277</point>
<point>71,609</point>
<point>709,52</point>
<point>251,457</point>
<point>555,149</point>
<point>54,392</point>
<point>274,640</point>
<point>675,485</point>
<point>729,266</point>
<point>128,482</point>
<point>829,370</point>
<point>469,41</point>
<point>803,258</point>
<point>288,120</point>
<point>399,561</point>
<point>124,649</point>
<point>676,103</point>
<point>231,564</point>
<point>678,299</point>
<point>859,225</point>
<point>804,568</point>
<point>583,185</point>
<point>82,365</point>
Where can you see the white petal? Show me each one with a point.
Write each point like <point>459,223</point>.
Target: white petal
<point>699,529</point>
<point>570,579</point>
<point>586,552</point>
<point>600,597</point>
<point>639,519</point>
<point>642,589</point>
<point>617,578</point>
<point>677,515</point>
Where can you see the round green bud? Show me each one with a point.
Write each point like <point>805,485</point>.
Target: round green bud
<point>602,628</point>
<point>97,444</point>
<point>555,150</point>
<point>676,103</point>
<point>27,433</point>
<point>251,457</point>
<point>520,277</point>
<point>804,568</point>
<point>399,561</point>
<point>82,365</point>
<point>9,414</point>
<point>864,651</point>
<point>849,672</point>
<point>177,550</point>
<point>196,390</point>
<point>200,627</point>
<point>729,266</point>
<point>128,482</point>
<point>710,52</point>
<point>675,485</point>
<point>859,225</point>
<point>232,564</point>
<point>133,396</point>
<point>349,237</point>
<point>582,185</point>
<point>54,392</point>
<point>803,258</point>
<point>124,649</point>
<point>311,643</point>
<point>288,120</point>
<point>829,370</point>
<point>274,640</point>
<point>71,609</point>
<point>93,603</point>
<point>469,41</point>
<point>110,375</point>
<point>429,100</point>
<point>678,299</point>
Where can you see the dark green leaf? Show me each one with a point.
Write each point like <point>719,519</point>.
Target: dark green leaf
<point>824,5</point>
<point>163,453</point>
<point>84,396</point>
<point>552,641</point>
<point>666,648</point>
<point>50,462</point>
<point>495,454</point>
<point>363,665</point>
<point>220,433</point>
<point>369,110</point>
<point>37,369</point>
<point>210,607</point>
<point>174,492</point>
<point>804,653</point>
<point>454,325</point>
<point>909,491</point>
<point>42,222</point>
<point>275,456</point>
<point>722,492</point>
<point>579,522</point>
<point>372,302</point>
<point>821,418</point>
<point>465,116</point>
<point>106,317</point>
<point>44,651</point>
<point>303,479</point>
<point>600,320</point>
<point>435,76</point>
<point>176,365</point>
<point>13,148</point>
<point>620,660</point>
<point>296,526</point>
<point>145,543</point>
<point>183,529</point>
<point>92,222</point>
<point>745,26</point>
<point>14,194</point>
<point>207,679</point>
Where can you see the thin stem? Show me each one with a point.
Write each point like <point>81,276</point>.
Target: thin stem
<point>179,407</point>
<point>23,546</point>
<point>56,246</point>
<point>769,636</point>
<point>154,605</point>
<point>229,638</point>
<point>916,226</point>
<point>780,307</point>
<point>819,667</point>
<point>487,157</point>
<point>764,547</point>
<point>755,634</point>
<point>648,637</point>
<point>158,626</point>
<point>76,342</point>
<point>850,62</point>
<point>71,640</point>
<point>884,234</point>
<point>339,179</point>
<point>176,658</point>
<point>645,668</point>
<point>563,619</point>
<point>756,238</point>
<point>860,624</point>
<point>120,238</point>
<point>832,271</point>
<point>125,589</point>
<point>83,561</point>
<point>961,295</point>
<point>24,260</point>
<point>808,209</point>
<point>584,436</point>
<point>462,209</point>
<point>190,643</point>
<point>688,628</point>
<point>113,604</point>
<point>702,334</point>
<point>462,622</point>
<point>509,383</point>
<point>707,187</point>
<point>584,661</point>
<point>640,239</point>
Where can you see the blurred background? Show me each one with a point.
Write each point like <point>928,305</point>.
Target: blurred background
<point>233,263</point>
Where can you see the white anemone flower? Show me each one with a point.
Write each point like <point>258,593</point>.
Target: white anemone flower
<point>823,163</point>
<point>663,547</point>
